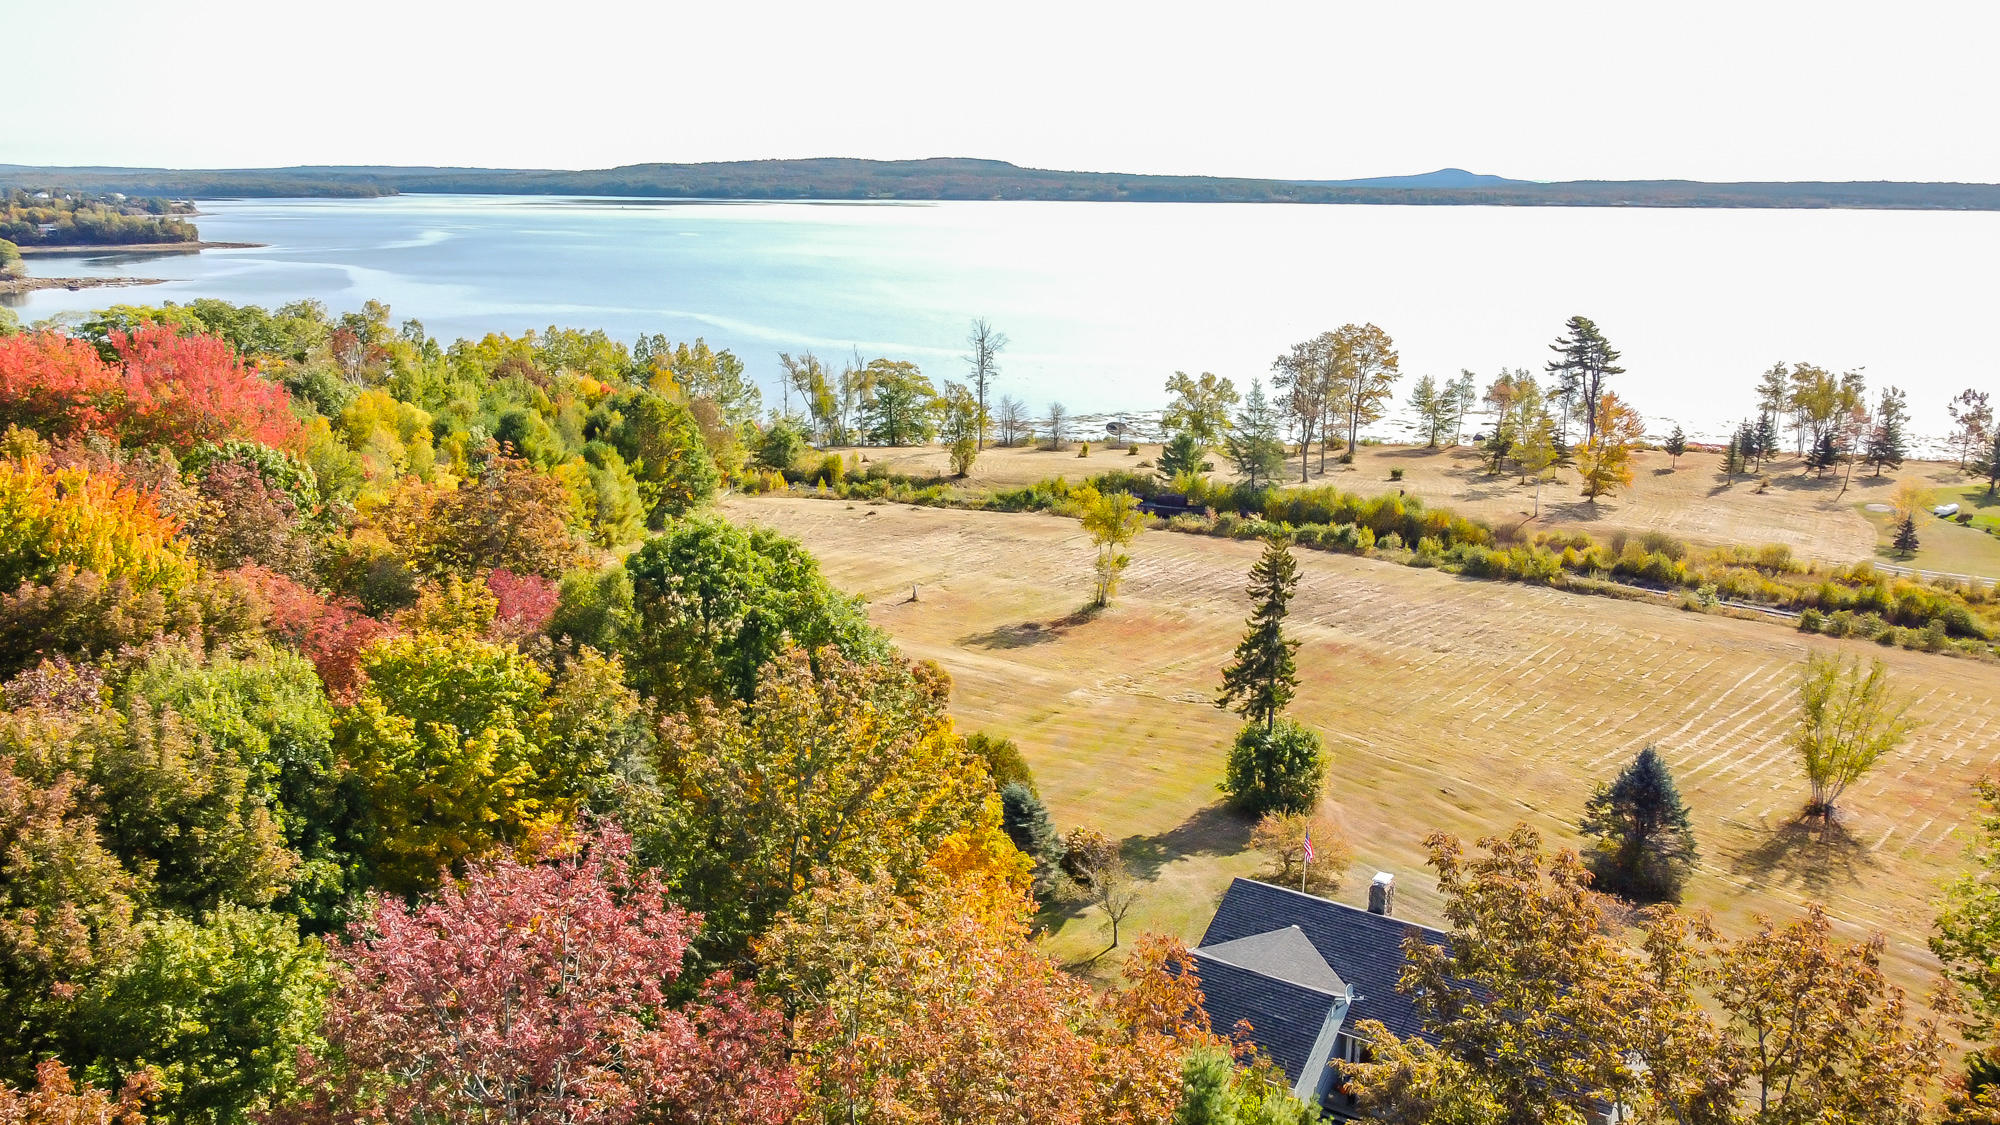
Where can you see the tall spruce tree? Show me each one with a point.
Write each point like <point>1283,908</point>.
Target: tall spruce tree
<point>1645,844</point>
<point>1767,434</point>
<point>1253,444</point>
<point>1989,466</point>
<point>1259,683</point>
<point>1027,823</point>
<point>1732,461</point>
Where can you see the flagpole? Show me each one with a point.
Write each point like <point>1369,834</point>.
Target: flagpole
<point>1305,862</point>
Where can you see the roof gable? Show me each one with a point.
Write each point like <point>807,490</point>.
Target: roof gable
<point>1286,955</point>
<point>1363,950</point>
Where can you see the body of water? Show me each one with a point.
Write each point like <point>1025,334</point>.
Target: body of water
<point>1103,301</point>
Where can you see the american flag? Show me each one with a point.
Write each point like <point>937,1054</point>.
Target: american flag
<point>1309,847</point>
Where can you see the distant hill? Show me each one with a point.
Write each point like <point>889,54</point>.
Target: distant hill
<point>840,178</point>
<point>1442,178</point>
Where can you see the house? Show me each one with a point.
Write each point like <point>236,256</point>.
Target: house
<point>1303,971</point>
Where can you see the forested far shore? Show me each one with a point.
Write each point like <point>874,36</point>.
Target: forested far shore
<point>972,179</point>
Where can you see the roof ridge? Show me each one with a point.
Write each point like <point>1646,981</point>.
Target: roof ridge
<point>1386,918</point>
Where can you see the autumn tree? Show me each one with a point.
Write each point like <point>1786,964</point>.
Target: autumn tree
<point>1282,836</point>
<point>931,1006</point>
<point>1849,719</point>
<point>1604,461</point>
<point>180,391</point>
<point>1366,367</point>
<point>1199,408</point>
<point>1099,875</point>
<point>1254,445</point>
<point>450,740</point>
<point>541,992</point>
<point>1113,521</point>
<point>853,767</point>
<point>1644,846</point>
<point>56,1099</point>
<point>1262,678</point>
<point>961,426</point>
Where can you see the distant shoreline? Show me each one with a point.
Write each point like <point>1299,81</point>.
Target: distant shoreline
<point>15,285</point>
<point>133,248</point>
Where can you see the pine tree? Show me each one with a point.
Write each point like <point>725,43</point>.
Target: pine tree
<point>1886,444</point>
<point>1906,536</point>
<point>1645,844</point>
<point>1677,444</point>
<point>1989,466</point>
<point>1027,823</point>
<point>1259,683</point>
<point>1825,453</point>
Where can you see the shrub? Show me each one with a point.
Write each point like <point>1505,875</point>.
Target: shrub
<point>1277,768</point>
<point>1395,474</point>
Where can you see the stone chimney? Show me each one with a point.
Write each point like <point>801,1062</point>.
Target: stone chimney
<point>1382,894</point>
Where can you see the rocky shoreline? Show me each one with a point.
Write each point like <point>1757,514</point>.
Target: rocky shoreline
<point>133,248</point>
<point>14,285</point>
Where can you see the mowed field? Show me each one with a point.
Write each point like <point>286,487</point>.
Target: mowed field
<point>1808,514</point>
<point>1447,703</point>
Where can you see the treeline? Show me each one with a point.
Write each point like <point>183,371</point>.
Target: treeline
<point>50,218</point>
<point>970,179</point>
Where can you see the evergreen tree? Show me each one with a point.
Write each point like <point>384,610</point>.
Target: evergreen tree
<point>1585,359</point>
<point>1825,453</point>
<point>1645,844</point>
<point>1989,466</point>
<point>1183,454</point>
<point>1732,461</point>
<point>1260,681</point>
<point>1906,536</point>
<point>1767,435</point>
<point>1677,444</point>
<point>1253,446</point>
<point>1886,444</point>
<point>1027,823</point>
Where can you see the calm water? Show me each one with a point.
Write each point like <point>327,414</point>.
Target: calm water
<point>1104,301</point>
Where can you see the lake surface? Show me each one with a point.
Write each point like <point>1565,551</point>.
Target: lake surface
<point>1103,301</point>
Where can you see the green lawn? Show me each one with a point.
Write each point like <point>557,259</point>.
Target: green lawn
<point>1945,546</point>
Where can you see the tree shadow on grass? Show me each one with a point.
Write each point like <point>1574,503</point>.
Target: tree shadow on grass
<point>1806,854</point>
<point>1215,830</point>
<point>1027,633</point>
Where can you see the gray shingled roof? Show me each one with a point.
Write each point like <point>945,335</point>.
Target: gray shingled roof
<point>1286,954</point>
<point>1364,950</point>
<point>1284,1018</point>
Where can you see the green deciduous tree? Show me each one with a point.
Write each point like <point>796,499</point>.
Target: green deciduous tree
<point>903,409</point>
<point>712,602</point>
<point>1968,924</point>
<point>1366,367</point>
<point>1644,842</point>
<point>1113,521</point>
<point>1260,681</point>
<point>1848,721</point>
<point>1279,767</point>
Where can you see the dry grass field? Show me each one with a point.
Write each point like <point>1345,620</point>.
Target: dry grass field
<point>1807,514</point>
<point>1447,703</point>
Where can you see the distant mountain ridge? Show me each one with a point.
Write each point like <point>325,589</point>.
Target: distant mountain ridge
<point>964,178</point>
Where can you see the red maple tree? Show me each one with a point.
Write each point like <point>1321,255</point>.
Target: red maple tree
<point>539,992</point>
<point>180,391</point>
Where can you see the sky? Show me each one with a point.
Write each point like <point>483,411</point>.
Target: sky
<point>1746,90</point>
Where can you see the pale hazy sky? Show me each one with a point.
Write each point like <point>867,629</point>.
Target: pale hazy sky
<point>1718,91</point>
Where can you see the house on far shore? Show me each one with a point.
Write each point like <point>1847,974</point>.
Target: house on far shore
<point>1303,971</point>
